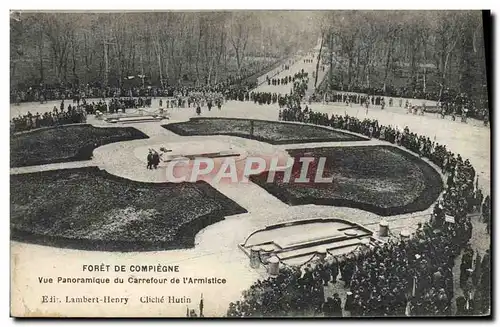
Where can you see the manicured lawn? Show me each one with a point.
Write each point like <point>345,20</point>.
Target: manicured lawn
<point>382,179</point>
<point>65,143</point>
<point>272,132</point>
<point>87,208</point>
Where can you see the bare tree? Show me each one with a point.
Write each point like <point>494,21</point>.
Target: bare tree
<point>448,33</point>
<point>239,30</point>
<point>59,31</point>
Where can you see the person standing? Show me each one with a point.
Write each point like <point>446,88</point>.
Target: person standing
<point>485,117</point>
<point>337,305</point>
<point>328,308</point>
<point>465,266</point>
<point>476,275</point>
<point>156,159</point>
<point>150,159</point>
<point>334,270</point>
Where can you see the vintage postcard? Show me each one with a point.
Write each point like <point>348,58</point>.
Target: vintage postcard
<point>250,164</point>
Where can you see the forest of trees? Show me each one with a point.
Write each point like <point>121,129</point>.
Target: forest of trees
<point>420,51</point>
<point>167,47</point>
<point>423,51</point>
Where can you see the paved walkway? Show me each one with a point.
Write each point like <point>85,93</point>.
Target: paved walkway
<point>294,69</point>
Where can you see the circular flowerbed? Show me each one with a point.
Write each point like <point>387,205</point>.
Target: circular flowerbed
<point>65,143</point>
<point>262,130</point>
<point>384,180</point>
<point>99,211</point>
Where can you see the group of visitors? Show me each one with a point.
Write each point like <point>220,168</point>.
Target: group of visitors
<point>394,92</point>
<point>446,107</point>
<point>272,98</point>
<point>129,88</point>
<point>300,85</point>
<point>287,79</point>
<point>29,121</point>
<point>120,104</point>
<point>411,277</point>
<point>153,159</point>
<point>361,99</point>
<point>449,102</point>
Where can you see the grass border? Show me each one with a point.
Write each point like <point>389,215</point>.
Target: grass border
<point>174,128</point>
<point>83,153</point>
<point>432,180</point>
<point>184,238</point>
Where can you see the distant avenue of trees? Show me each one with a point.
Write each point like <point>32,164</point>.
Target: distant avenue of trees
<point>165,47</point>
<point>421,51</point>
<point>425,51</point>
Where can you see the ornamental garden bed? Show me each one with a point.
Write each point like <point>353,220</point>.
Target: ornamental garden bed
<point>383,179</point>
<point>87,208</point>
<point>272,132</point>
<point>65,143</point>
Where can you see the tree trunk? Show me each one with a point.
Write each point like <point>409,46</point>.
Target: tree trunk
<point>172,60</point>
<point>330,73</point>
<point>318,60</point>
<point>219,56</point>
<point>142,70</point>
<point>198,56</point>
<point>40,56</point>
<point>366,68</point>
<point>445,67</point>
<point>106,65</point>
<point>87,66</point>
<point>238,63</point>
<point>388,60</point>
<point>349,71</point>
<point>73,52</point>
<point>156,44</point>
<point>356,77</point>
<point>425,79</point>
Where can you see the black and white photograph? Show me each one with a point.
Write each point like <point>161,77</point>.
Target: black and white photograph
<point>250,164</point>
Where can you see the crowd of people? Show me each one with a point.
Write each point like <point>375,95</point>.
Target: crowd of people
<point>130,88</point>
<point>120,104</point>
<point>363,99</point>
<point>411,277</point>
<point>268,98</point>
<point>76,113</point>
<point>29,121</point>
<point>300,84</point>
<point>449,102</point>
<point>287,79</point>
<point>460,106</point>
<point>299,80</point>
<point>285,66</point>
<point>401,92</point>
